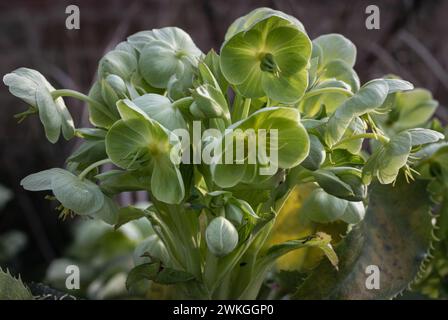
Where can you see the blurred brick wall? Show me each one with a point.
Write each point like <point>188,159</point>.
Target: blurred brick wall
<point>412,42</point>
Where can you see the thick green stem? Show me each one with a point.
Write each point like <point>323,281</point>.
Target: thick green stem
<point>93,166</point>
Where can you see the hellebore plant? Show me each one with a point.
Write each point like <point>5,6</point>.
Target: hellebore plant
<point>219,225</point>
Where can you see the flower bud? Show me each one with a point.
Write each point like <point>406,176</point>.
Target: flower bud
<point>117,84</point>
<point>221,236</point>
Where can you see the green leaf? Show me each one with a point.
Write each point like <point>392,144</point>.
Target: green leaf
<point>146,271</point>
<point>320,240</point>
<point>342,182</point>
<point>172,276</point>
<point>129,213</point>
<point>116,181</point>
<point>12,288</point>
<point>89,152</point>
<point>395,236</point>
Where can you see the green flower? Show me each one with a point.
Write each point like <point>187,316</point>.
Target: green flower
<point>32,87</point>
<point>166,53</point>
<point>291,148</point>
<point>138,142</point>
<point>78,195</point>
<point>267,56</point>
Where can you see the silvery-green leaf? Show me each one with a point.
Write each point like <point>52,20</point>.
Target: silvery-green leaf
<point>12,288</point>
<point>170,53</point>
<point>81,196</point>
<point>420,136</point>
<point>161,109</point>
<point>41,180</point>
<point>221,237</point>
<point>336,47</point>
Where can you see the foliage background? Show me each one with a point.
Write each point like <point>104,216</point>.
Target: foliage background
<point>411,43</point>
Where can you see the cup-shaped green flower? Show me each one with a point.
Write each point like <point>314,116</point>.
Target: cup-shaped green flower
<point>387,160</point>
<point>272,138</point>
<point>168,52</point>
<point>270,58</point>
<point>74,193</point>
<point>138,142</point>
<point>32,87</point>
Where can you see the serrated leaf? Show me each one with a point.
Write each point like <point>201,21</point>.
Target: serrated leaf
<point>394,235</point>
<point>12,288</point>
